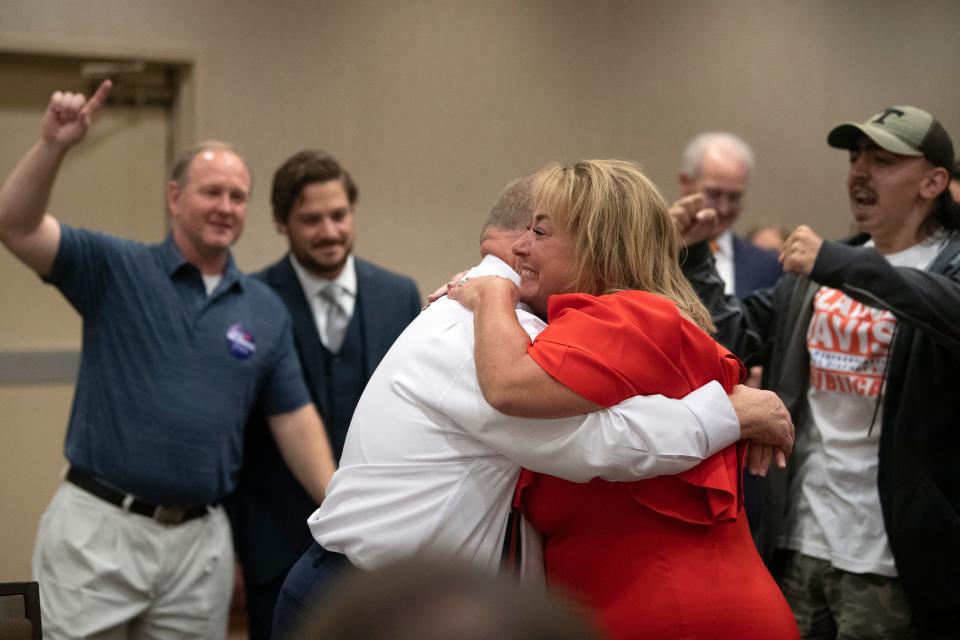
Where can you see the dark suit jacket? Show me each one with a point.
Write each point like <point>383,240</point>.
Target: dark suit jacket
<point>269,509</point>
<point>753,268</point>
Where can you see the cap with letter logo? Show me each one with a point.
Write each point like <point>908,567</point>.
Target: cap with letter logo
<point>905,130</point>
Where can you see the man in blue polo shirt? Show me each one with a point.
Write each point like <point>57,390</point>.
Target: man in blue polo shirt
<point>177,347</point>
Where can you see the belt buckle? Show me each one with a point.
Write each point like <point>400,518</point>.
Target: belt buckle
<point>169,515</point>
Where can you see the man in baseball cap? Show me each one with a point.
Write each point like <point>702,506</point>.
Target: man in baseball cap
<point>861,340</point>
<point>909,133</point>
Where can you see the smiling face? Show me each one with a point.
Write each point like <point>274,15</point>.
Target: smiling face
<point>722,179</point>
<point>320,228</point>
<point>723,182</point>
<point>889,195</point>
<point>545,255</point>
<point>208,211</point>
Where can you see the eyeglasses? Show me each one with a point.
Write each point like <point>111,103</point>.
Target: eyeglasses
<point>714,195</point>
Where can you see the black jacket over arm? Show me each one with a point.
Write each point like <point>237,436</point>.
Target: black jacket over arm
<point>919,466</point>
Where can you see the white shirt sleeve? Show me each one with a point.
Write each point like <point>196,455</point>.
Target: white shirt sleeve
<point>643,437</point>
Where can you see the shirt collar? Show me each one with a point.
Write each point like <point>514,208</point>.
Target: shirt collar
<point>312,285</point>
<point>173,261</point>
<point>170,256</point>
<point>491,265</point>
<point>725,243</point>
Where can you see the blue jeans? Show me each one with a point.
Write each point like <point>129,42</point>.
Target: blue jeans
<point>310,578</point>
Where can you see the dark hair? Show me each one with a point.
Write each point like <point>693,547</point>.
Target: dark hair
<point>302,169</point>
<point>181,164</point>
<point>513,209</point>
<point>945,213</point>
<point>437,599</point>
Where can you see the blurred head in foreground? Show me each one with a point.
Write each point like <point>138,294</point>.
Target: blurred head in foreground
<point>426,599</point>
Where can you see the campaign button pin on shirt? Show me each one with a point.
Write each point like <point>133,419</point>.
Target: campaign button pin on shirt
<point>240,342</point>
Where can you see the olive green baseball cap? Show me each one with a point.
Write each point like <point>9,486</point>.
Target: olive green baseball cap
<point>904,130</point>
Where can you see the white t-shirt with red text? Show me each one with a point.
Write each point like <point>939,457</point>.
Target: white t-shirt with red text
<point>837,516</point>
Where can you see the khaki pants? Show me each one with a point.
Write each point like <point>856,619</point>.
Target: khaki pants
<point>108,573</point>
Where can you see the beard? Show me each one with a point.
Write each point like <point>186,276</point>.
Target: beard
<point>323,266</point>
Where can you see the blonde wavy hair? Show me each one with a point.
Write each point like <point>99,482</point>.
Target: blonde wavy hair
<point>621,234</point>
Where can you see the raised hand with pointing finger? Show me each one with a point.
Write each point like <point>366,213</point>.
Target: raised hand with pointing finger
<point>24,229</point>
<point>68,116</point>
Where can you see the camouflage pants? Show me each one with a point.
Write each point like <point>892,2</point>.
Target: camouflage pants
<point>832,603</point>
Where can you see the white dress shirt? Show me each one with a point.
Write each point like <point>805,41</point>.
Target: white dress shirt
<point>429,466</point>
<point>723,259</point>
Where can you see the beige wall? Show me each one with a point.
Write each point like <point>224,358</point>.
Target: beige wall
<point>435,104</point>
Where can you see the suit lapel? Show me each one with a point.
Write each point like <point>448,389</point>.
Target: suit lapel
<point>283,279</point>
<point>741,270</point>
<point>374,326</point>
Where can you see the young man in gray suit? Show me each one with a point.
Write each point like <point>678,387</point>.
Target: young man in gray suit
<point>346,314</point>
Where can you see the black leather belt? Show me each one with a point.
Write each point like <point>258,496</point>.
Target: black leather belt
<point>159,513</point>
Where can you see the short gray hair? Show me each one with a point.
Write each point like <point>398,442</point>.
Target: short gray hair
<point>728,144</point>
<point>513,209</point>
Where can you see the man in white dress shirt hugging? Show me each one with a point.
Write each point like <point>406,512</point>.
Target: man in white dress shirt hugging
<point>429,467</point>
